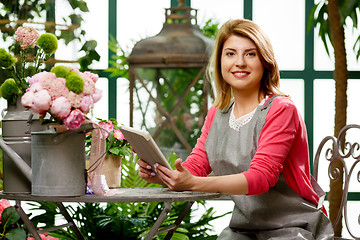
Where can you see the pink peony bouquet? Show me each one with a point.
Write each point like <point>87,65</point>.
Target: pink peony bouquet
<point>64,94</point>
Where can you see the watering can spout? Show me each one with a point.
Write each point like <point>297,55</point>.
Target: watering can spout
<point>20,163</point>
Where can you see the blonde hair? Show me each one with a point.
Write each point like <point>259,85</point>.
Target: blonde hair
<point>244,28</point>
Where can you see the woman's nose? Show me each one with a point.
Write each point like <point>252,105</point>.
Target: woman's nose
<point>240,61</point>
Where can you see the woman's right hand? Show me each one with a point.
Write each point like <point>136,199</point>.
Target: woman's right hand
<point>146,173</point>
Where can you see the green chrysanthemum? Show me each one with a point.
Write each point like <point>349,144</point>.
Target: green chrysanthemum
<point>74,82</point>
<point>9,88</point>
<point>6,59</point>
<point>48,42</point>
<point>61,71</point>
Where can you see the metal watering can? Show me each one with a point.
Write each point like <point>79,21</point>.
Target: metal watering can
<point>57,162</point>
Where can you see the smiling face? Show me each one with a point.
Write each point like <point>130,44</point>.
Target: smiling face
<point>241,67</point>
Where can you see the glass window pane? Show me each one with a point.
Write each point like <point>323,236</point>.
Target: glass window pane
<point>220,11</point>
<point>294,88</point>
<point>139,19</point>
<point>284,23</point>
<point>324,111</point>
<point>96,26</point>
<point>323,61</point>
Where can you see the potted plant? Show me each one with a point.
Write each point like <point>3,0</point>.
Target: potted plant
<point>117,148</point>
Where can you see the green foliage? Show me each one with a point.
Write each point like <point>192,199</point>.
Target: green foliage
<point>170,85</point>
<point>128,220</point>
<point>210,28</point>
<point>10,228</point>
<point>30,10</point>
<point>348,9</point>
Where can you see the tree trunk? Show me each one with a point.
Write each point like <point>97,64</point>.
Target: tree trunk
<point>340,77</point>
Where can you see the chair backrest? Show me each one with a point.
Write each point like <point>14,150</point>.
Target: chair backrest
<point>348,153</point>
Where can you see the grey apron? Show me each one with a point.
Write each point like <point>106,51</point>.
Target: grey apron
<point>279,213</point>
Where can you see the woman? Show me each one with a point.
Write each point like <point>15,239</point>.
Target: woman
<point>255,142</point>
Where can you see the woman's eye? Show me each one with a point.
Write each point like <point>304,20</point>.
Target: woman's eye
<point>251,54</point>
<point>229,54</point>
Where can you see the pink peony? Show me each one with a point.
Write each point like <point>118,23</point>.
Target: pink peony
<point>75,119</point>
<point>93,76</point>
<point>27,99</point>
<point>58,88</point>
<point>89,85</point>
<point>47,80</point>
<point>118,135</point>
<point>75,99</point>
<point>97,95</point>
<point>26,36</point>
<point>41,101</point>
<point>86,104</point>
<point>35,87</point>
<point>61,107</point>
<point>43,77</point>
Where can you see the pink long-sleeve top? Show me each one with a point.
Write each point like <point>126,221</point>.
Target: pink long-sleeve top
<point>282,147</point>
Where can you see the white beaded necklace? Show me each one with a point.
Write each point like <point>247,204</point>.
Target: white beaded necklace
<point>237,123</point>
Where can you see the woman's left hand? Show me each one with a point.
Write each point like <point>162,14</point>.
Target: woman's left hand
<point>179,179</point>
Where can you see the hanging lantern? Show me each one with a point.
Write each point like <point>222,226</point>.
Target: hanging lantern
<point>168,86</point>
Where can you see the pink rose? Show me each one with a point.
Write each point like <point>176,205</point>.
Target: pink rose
<point>60,107</point>
<point>75,119</point>
<point>97,95</point>
<point>108,126</point>
<point>118,135</point>
<point>3,204</point>
<point>27,99</point>
<point>43,237</point>
<point>86,104</point>
<point>41,101</point>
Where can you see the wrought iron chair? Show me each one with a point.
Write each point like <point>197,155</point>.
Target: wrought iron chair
<point>349,155</point>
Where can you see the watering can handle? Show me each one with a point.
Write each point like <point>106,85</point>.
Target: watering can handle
<point>83,128</point>
<point>20,163</point>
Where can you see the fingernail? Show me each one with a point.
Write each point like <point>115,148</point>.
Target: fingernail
<point>152,174</point>
<point>148,167</point>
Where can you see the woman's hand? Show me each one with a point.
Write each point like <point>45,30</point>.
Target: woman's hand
<point>146,173</point>
<point>179,179</point>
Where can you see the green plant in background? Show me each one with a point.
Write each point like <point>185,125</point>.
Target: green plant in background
<point>169,85</point>
<point>127,220</point>
<point>28,11</point>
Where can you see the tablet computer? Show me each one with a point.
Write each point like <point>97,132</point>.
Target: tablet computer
<point>144,146</point>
